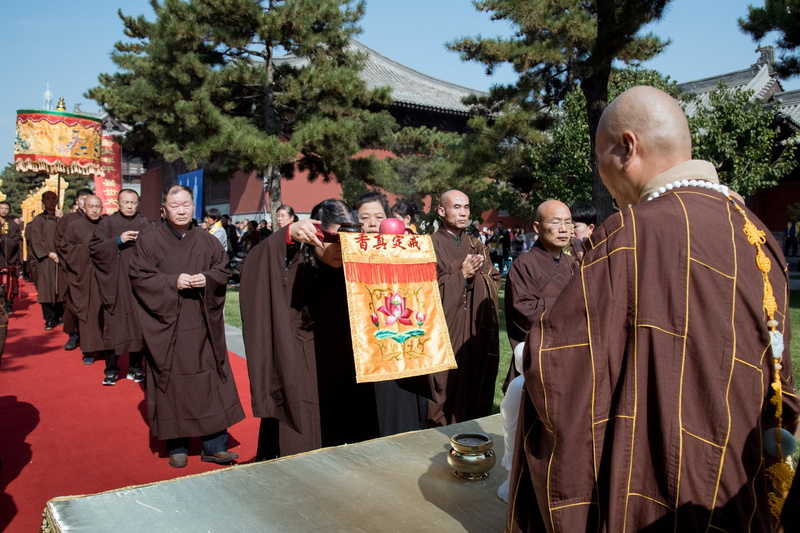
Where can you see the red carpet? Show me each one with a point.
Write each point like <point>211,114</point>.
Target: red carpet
<point>62,433</point>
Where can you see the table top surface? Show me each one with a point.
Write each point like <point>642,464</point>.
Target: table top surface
<point>399,483</point>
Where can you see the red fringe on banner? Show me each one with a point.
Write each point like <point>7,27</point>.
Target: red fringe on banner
<point>378,273</point>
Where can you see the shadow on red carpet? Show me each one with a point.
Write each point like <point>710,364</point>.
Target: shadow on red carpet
<point>62,433</point>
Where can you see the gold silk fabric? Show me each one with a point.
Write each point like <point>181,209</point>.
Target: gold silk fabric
<point>57,142</point>
<point>396,319</point>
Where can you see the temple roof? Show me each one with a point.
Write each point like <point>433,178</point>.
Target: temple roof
<point>409,87</point>
<point>759,78</point>
<point>790,106</point>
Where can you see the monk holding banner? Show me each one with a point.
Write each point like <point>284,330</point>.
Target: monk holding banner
<point>659,385</point>
<point>468,283</point>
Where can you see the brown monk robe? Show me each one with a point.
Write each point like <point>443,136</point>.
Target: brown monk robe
<point>179,278</point>
<point>43,260</point>
<point>297,337</point>
<point>111,249</point>
<point>468,283</point>
<point>10,236</point>
<point>68,317</point>
<point>538,276</point>
<point>648,382</point>
<point>84,290</point>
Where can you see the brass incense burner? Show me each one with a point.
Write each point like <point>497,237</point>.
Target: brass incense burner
<point>471,455</point>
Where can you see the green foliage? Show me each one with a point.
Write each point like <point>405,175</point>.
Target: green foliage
<point>556,47</point>
<point>738,136</point>
<point>734,133</point>
<point>201,83</point>
<point>561,167</point>
<point>782,16</point>
<point>428,163</point>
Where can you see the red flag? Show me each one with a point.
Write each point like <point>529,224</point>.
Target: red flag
<point>108,185</point>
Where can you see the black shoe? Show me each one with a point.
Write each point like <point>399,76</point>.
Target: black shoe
<point>88,359</point>
<point>110,379</point>
<point>137,376</point>
<point>73,342</point>
<point>49,325</point>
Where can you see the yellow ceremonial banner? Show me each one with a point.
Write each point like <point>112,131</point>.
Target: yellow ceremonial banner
<point>396,317</point>
<point>57,142</point>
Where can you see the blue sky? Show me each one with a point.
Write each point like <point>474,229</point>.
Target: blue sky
<point>68,44</point>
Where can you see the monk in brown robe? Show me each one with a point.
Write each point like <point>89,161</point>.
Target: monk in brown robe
<point>84,291</point>
<point>111,249</point>
<point>179,276</point>
<point>296,332</point>
<point>649,381</point>
<point>44,260</point>
<point>468,283</point>
<point>69,318</point>
<point>538,276</point>
<point>10,236</point>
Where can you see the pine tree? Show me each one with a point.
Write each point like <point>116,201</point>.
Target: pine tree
<point>782,16</point>
<point>201,84</point>
<point>556,45</point>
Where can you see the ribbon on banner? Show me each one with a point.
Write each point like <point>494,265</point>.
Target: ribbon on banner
<point>396,318</point>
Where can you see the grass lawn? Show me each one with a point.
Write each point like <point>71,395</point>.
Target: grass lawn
<point>232,315</point>
<point>233,318</point>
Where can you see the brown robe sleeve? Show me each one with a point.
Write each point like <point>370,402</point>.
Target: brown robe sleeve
<point>104,251</point>
<point>38,246</point>
<point>74,252</point>
<point>533,284</point>
<point>9,244</point>
<point>265,304</point>
<point>158,297</point>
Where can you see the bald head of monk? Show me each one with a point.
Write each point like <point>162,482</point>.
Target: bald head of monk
<point>93,206</point>
<point>554,225</point>
<point>454,210</point>
<point>641,134</point>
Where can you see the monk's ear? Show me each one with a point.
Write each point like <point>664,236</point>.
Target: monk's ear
<point>630,144</point>
<point>440,210</point>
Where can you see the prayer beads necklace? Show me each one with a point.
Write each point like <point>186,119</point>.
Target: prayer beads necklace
<point>703,184</point>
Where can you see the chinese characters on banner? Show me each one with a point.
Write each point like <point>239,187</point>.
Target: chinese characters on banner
<point>108,184</point>
<point>396,318</point>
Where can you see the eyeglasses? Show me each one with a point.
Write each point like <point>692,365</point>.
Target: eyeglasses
<point>556,222</point>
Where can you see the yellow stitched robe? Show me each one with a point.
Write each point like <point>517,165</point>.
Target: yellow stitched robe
<point>648,380</point>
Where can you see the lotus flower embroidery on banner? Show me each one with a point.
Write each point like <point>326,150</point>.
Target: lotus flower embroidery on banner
<point>397,312</point>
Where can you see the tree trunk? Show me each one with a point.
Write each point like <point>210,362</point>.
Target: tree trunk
<point>274,192</point>
<point>170,171</point>
<point>273,178</point>
<point>595,89</point>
